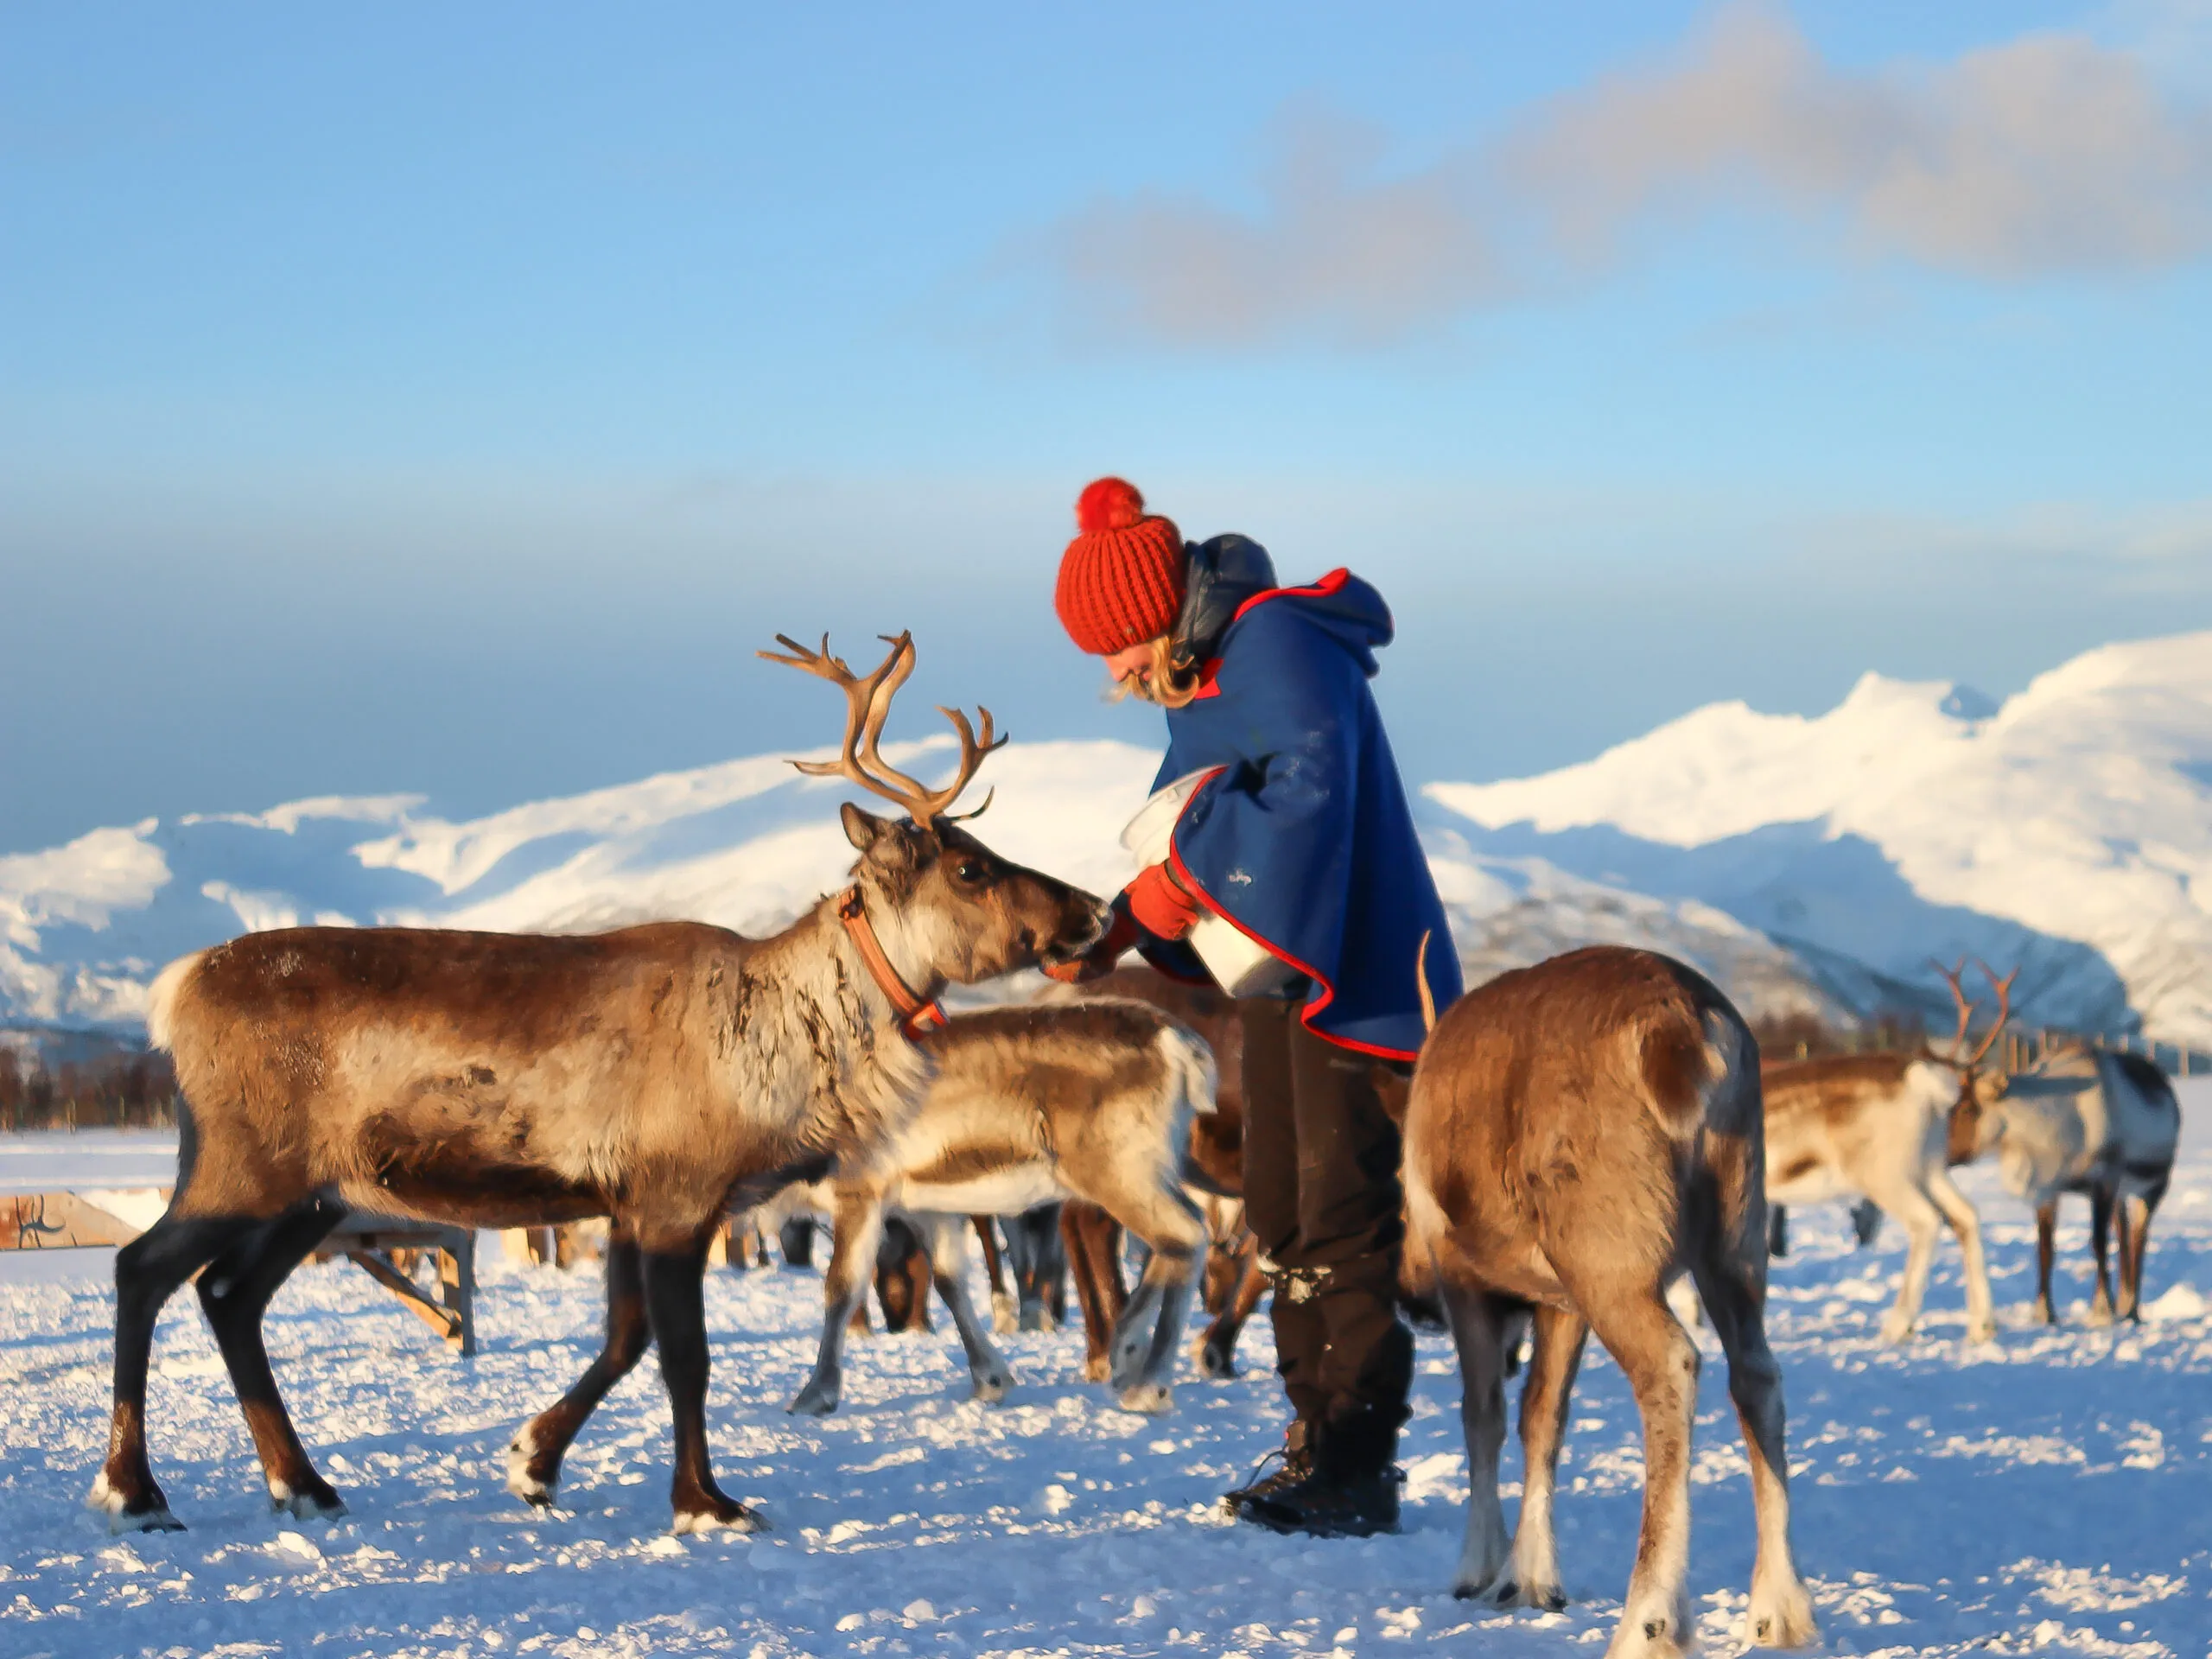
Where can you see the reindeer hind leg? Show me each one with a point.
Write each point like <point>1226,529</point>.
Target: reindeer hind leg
<point>1660,1362</point>
<point>2136,1208</point>
<point>234,1294</point>
<point>1150,1333</point>
<point>1734,1292</point>
<point>1561,1335</point>
<point>1479,1325</point>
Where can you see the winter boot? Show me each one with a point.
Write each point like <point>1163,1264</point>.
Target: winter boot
<point>1349,1488</point>
<point>1295,1466</point>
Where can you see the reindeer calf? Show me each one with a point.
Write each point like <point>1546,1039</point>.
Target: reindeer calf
<point>1579,1133</point>
<point>1090,1100</point>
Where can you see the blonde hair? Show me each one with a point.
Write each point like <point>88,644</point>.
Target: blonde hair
<point>1168,686</point>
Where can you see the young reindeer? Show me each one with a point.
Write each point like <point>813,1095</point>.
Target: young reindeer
<point>1090,1100</point>
<point>1233,1283</point>
<point>2080,1119</point>
<point>1579,1133</point>
<point>496,1080</point>
<point>1874,1127</point>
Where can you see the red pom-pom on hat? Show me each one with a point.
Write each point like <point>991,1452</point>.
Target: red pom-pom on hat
<point>1108,503</point>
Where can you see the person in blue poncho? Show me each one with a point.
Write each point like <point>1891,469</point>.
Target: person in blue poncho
<point>1281,858</point>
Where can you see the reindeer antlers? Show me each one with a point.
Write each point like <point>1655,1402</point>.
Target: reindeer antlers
<point>867,705</point>
<point>2004,989</point>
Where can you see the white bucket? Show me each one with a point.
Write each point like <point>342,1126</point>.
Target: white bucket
<point>1238,965</point>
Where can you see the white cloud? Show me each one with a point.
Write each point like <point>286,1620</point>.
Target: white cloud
<point>2047,154</point>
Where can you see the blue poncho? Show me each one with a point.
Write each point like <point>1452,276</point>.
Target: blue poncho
<point>1302,838</point>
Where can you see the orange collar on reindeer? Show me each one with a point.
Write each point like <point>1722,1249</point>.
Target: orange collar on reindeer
<point>918,1016</point>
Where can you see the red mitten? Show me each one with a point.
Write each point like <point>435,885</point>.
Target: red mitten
<point>1159,904</point>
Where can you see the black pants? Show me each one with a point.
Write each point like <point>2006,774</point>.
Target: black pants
<point>1322,1195</point>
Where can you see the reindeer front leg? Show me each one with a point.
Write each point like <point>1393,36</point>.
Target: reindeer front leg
<point>944,1237</point>
<point>854,1232</point>
<point>2046,1247</point>
<point>534,1458</point>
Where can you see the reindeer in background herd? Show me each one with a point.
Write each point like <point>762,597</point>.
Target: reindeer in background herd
<point>1874,1128</point>
<point>2078,1119</point>
<point>1888,1127</point>
<point>659,1075</point>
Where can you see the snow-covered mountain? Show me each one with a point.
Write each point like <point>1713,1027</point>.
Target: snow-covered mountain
<point>749,844</point>
<point>2068,831</point>
<point>1808,866</point>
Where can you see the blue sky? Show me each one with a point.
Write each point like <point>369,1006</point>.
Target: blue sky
<point>421,399</point>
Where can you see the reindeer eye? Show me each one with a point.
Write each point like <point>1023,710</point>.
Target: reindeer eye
<point>970,871</point>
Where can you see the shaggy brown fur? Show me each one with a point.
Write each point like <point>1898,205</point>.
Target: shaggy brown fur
<point>1579,1133</point>
<point>490,1080</point>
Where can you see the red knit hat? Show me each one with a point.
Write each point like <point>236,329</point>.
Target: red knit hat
<point>1122,578</point>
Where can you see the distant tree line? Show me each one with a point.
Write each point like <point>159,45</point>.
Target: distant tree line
<point>123,1089</point>
<point>1807,1036</point>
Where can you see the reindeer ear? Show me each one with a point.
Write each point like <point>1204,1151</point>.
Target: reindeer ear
<point>863,829</point>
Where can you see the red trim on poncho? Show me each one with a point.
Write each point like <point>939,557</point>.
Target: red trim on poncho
<point>1197,889</point>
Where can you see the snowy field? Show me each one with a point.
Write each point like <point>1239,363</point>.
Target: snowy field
<point>2051,1490</point>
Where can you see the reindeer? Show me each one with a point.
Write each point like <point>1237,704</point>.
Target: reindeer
<point>1579,1133</point>
<point>1877,1127</point>
<point>655,1075</point>
<point>2080,1119</point>
<point>1030,1105</point>
<point>1233,1282</point>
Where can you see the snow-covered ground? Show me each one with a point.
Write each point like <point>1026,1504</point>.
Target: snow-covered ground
<point>2051,1490</point>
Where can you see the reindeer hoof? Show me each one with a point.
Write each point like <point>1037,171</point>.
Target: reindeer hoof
<point>1003,1318</point>
<point>991,1387</point>
<point>814,1402</point>
<point>150,1512</point>
<point>1217,1364</point>
<point>1147,1399</point>
<point>1654,1636</point>
<point>524,1479</point>
<point>315,1502</point>
<point>1542,1598</point>
<point>1982,1331</point>
<point>1895,1331</point>
<point>2100,1314</point>
<point>1096,1370</point>
<point>1780,1619</point>
<point>725,1514</point>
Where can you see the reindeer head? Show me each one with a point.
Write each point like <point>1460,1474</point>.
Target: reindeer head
<point>952,908</point>
<point>1968,1129</point>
